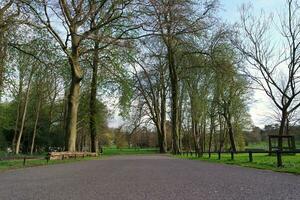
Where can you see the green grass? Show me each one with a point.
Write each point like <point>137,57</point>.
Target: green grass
<point>265,145</point>
<point>258,145</point>
<point>260,161</point>
<point>15,164</point>
<point>128,151</point>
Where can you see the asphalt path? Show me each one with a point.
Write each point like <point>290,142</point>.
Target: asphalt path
<point>146,178</point>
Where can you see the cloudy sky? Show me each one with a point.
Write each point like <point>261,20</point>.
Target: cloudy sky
<point>260,107</point>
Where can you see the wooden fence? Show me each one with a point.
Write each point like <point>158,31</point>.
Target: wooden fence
<point>250,153</point>
<point>50,156</point>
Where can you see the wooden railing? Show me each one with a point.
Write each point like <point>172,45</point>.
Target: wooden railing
<point>50,156</point>
<point>250,153</point>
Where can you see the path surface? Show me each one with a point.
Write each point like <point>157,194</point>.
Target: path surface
<point>146,178</point>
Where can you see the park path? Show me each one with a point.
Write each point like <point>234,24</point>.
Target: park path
<point>146,178</point>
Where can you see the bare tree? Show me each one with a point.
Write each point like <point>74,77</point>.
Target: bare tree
<point>151,85</point>
<point>274,68</point>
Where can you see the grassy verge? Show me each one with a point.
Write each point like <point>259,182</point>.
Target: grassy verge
<point>15,164</point>
<point>260,161</point>
<point>264,145</point>
<point>128,151</point>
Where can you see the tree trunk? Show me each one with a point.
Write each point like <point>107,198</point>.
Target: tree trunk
<point>24,113</point>
<point>164,145</point>
<point>204,134</point>
<point>174,101</point>
<point>73,103</point>
<point>93,101</point>
<point>52,104</point>
<point>3,48</point>
<point>18,113</point>
<point>231,133</point>
<point>180,105</point>
<point>35,126</point>
<point>211,131</point>
<point>282,127</point>
<point>65,113</point>
<point>74,93</point>
<point>162,135</point>
<point>195,135</point>
<point>221,134</point>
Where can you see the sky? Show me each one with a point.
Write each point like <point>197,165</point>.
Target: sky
<point>229,8</point>
<point>260,107</point>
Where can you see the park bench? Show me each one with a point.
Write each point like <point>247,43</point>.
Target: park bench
<point>68,155</point>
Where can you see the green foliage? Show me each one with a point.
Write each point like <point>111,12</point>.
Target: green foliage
<point>15,164</point>
<point>7,119</point>
<point>128,151</point>
<point>260,161</point>
<point>120,140</point>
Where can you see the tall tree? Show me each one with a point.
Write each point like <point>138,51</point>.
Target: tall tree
<point>173,22</point>
<point>151,89</point>
<point>8,13</point>
<point>74,18</point>
<point>275,72</point>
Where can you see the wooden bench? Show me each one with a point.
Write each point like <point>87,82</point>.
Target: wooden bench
<point>68,155</point>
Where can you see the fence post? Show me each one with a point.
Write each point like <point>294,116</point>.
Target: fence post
<point>279,158</point>
<point>250,156</point>
<point>232,155</point>
<point>219,155</point>
<point>24,161</point>
<point>47,158</point>
<point>209,154</point>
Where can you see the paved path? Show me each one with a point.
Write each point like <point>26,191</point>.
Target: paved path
<point>146,178</point>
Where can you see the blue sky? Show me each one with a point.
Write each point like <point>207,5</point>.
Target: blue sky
<point>229,8</point>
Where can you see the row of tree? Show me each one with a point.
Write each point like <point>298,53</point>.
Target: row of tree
<point>164,60</point>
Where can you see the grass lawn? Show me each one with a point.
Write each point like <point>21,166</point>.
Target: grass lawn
<point>265,145</point>
<point>15,164</point>
<point>128,151</point>
<point>261,161</point>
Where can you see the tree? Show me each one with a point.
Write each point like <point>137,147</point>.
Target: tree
<point>151,88</point>
<point>9,11</point>
<point>26,99</point>
<point>74,18</point>
<point>173,22</point>
<point>276,72</point>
